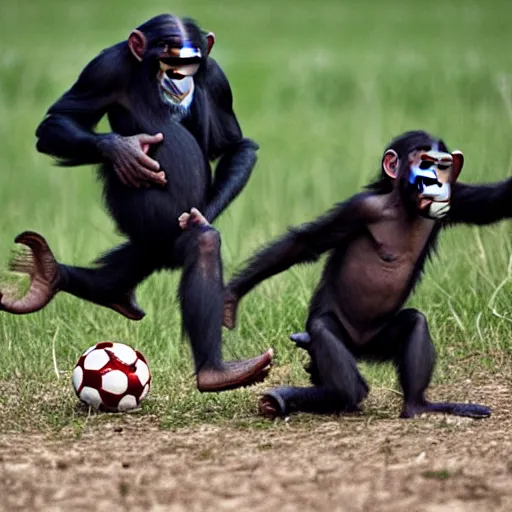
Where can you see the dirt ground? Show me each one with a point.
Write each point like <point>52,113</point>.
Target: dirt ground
<point>361,463</point>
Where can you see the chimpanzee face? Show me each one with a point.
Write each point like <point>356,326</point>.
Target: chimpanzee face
<point>424,176</point>
<point>177,67</point>
<point>172,54</point>
<point>430,177</point>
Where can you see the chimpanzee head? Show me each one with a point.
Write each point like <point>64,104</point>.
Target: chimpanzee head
<point>425,170</point>
<point>172,50</point>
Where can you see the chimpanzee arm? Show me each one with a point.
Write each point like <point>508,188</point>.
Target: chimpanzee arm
<point>231,175</point>
<point>67,133</point>
<point>480,204</point>
<point>307,242</point>
<point>237,154</point>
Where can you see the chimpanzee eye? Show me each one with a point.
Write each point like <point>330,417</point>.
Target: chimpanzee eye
<point>443,167</point>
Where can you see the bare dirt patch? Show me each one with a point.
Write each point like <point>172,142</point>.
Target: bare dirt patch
<point>371,462</point>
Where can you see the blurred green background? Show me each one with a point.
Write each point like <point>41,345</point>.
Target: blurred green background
<point>322,87</point>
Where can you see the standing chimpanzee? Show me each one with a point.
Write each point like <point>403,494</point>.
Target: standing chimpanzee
<point>378,242</point>
<point>170,109</point>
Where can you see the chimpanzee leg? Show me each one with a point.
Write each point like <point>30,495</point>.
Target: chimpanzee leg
<point>283,401</point>
<point>201,295</point>
<point>408,343</point>
<point>339,385</point>
<point>110,285</point>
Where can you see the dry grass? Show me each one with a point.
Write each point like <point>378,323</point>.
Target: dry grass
<point>373,462</point>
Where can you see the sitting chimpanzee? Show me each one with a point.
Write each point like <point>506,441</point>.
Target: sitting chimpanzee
<point>378,242</point>
<point>170,109</point>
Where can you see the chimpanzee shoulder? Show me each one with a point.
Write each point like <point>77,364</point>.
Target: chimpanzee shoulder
<point>214,110</point>
<point>100,82</point>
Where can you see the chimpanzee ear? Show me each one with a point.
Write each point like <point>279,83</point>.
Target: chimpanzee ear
<point>137,44</point>
<point>390,163</point>
<point>210,41</point>
<point>458,164</point>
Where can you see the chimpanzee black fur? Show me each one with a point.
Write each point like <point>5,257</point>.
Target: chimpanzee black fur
<point>378,244</point>
<point>149,182</point>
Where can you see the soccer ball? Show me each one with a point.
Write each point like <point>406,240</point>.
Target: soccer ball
<point>111,377</point>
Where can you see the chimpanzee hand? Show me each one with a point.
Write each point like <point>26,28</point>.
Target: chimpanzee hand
<point>129,156</point>
<point>194,218</point>
<point>230,309</point>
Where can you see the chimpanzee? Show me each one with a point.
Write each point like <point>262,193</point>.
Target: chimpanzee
<point>169,105</point>
<point>378,242</point>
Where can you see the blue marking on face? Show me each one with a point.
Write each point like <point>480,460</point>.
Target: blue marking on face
<point>189,50</point>
<point>416,173</point>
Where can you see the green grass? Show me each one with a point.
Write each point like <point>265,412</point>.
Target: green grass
<point>322,87</point>
<point>442,474</point>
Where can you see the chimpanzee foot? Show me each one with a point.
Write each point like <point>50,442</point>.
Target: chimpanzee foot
<point>272,405</point>
<point>39,263</point>
<point>235,374</point>
<point>128,307</point>
<point>457,409</point>
<point>283,401</point>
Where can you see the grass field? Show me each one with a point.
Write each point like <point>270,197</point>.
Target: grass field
<point>322,87</point>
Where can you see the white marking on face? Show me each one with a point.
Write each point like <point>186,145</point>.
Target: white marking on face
<point>438,210</point>
<point>436,192</point>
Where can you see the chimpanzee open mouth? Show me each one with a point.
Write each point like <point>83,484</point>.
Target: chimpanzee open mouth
<point>177,82</point>
<point>175,90</point>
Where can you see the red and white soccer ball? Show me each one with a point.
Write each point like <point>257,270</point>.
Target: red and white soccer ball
<point>112,377</point>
